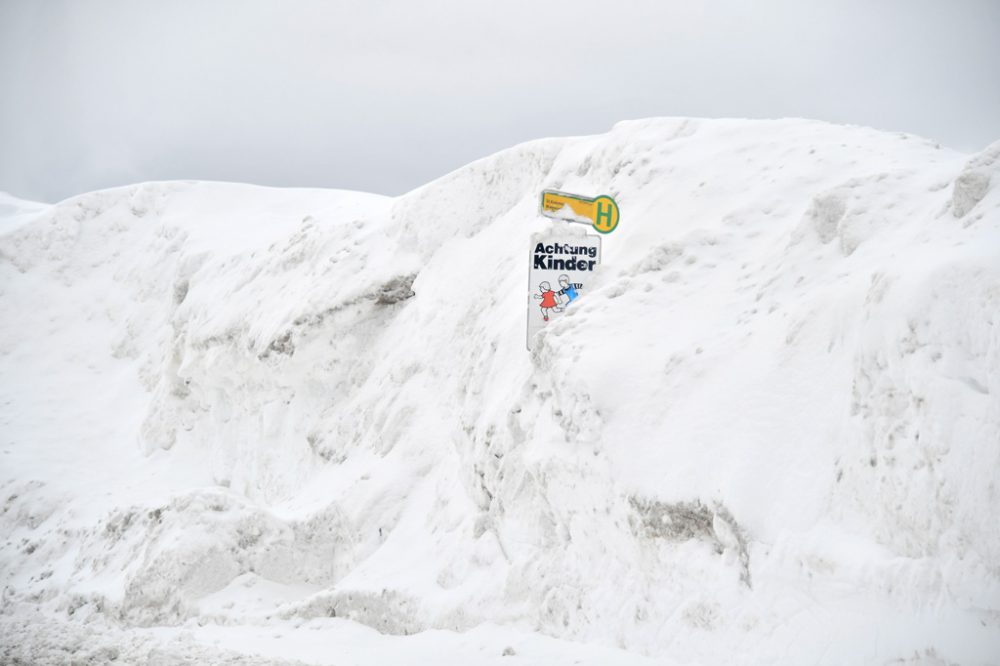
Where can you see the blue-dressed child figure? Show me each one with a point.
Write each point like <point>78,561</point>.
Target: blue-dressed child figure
<point>568,289</point>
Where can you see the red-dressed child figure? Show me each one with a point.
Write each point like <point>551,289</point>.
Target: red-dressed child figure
<point>548,298</point>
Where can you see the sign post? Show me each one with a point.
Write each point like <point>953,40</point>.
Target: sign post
<point>562,265</point>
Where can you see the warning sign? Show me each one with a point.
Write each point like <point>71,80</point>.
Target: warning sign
<point>560,272</point>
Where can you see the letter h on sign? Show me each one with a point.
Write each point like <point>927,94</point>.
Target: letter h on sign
<point>603,214</point>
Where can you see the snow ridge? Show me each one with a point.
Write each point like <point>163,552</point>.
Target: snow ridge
<point>767,434</point>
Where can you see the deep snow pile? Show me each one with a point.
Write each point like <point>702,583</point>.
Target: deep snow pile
<point>770,433</point>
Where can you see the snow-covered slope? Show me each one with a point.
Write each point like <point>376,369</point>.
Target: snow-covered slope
<point>238,420</point>
<point>15,212</point>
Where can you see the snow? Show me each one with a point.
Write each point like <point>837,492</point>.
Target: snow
<point>15,212</point>
<point>253,425</point>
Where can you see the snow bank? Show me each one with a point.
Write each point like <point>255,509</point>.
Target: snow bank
<point>16,212</point>
<point>768,434</point>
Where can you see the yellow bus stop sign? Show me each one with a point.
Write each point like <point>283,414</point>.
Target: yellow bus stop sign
<point>600,212</point>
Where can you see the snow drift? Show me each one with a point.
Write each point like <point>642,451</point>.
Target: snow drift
<point>769,433</point>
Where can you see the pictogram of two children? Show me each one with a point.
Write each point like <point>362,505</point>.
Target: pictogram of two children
<point>557,300</point>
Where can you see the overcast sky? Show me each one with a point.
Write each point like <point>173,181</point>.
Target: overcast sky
<point>385,95</point>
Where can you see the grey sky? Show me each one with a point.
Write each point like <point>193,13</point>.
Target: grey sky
<point>385,95</point>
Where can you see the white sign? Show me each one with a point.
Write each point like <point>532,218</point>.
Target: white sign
<point>561,269</point>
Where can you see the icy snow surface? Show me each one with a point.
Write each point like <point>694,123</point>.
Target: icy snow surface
<point>262,426</point>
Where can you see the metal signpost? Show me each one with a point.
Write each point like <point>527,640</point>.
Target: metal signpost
<point>561,266</point>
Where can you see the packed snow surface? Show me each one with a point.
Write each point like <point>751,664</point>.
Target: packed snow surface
<point>263,426</point>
